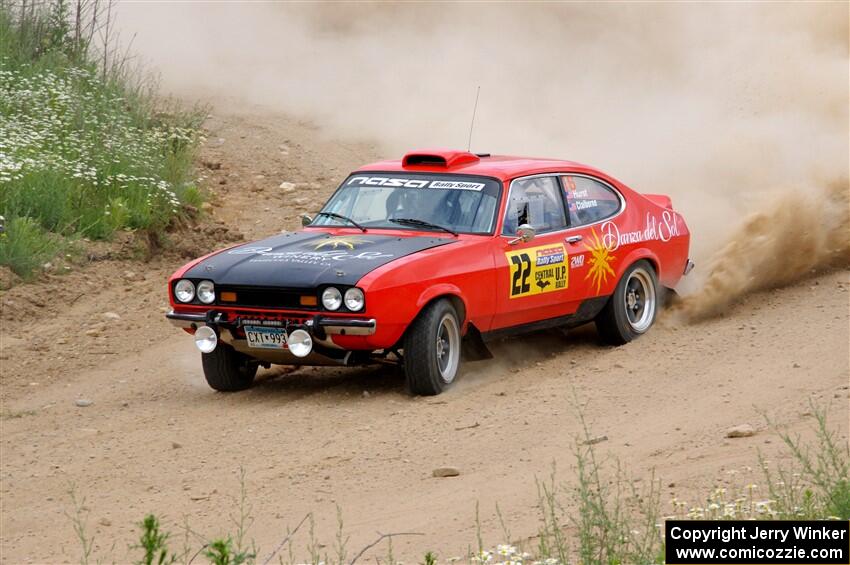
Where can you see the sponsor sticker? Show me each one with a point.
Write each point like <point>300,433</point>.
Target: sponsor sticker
<point>661,229</point>
<point>415,183</point>
<point>600,262</point>
<point>324,258</point>
<point>339,242</point>
<point>537,270</point>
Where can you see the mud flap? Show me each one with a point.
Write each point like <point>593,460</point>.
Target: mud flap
<point>668,297</point>
<point>473,347</point>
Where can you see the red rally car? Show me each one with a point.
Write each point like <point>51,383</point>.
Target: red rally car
<point>425,259</point>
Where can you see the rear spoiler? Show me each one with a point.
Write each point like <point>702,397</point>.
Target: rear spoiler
<point>661,200</point>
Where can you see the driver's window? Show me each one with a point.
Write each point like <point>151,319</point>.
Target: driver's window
<point>535,201</point>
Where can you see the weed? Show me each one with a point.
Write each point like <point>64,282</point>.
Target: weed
<point>223,552</point>
<point>341,538</point>
<point>154,543</point>
<point>312,543</point>
<point>244,521</point>
<point>78,520</point>
<point>819,484</point>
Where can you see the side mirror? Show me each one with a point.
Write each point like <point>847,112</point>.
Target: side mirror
<point>524,233</point>
<point>306,220</point>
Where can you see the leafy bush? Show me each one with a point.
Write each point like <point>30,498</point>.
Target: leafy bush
<point>84,150</point>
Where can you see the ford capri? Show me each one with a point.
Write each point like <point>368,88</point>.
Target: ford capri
<point>423,261</point>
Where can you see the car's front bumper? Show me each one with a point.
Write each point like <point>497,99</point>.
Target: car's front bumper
<point>317,325</point>
<point>320,327</point>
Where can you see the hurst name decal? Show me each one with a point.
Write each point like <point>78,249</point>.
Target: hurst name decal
<point>537,270</point>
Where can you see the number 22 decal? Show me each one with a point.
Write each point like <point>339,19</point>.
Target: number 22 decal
<point>537,270</point>
<point>521,270</point>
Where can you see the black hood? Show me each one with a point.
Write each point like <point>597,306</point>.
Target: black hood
<point>308,259</point>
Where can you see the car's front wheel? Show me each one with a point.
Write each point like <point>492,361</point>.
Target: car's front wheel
<point>631,310</point>
<point>432,349</point>
<point>227,370</point>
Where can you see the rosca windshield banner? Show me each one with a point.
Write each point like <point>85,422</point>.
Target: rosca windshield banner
<point>401,182</point>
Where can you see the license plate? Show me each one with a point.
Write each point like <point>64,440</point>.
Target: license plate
<point>265,338</point>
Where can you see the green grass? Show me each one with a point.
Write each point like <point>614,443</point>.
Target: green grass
<point>26,245</point>
<point>85,149</point>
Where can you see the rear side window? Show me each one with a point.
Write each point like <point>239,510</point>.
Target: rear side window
<point>535,201</point>
<point>589,201</point>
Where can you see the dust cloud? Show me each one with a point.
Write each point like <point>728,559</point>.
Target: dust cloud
<point>739,111</point>
<point>792,237</point>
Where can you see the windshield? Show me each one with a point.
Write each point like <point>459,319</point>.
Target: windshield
<point>461,203</point>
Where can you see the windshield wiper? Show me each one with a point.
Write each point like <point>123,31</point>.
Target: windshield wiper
<point>421,223</point>
<point>341,217</point>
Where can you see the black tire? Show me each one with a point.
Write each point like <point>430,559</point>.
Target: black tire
<point>227,370</point>
<point>428,371</point>
<point>625,318</point>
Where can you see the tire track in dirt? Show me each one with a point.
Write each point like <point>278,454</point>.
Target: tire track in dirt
<point>157,439</point>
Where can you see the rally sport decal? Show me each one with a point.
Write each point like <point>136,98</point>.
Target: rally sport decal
<point>537,270</point>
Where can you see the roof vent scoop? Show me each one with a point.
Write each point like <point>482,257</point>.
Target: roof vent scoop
<point>443,158</point>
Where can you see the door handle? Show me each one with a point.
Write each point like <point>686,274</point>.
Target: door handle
<point>574,239</point>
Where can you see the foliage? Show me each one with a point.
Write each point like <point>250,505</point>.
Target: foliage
<point>819,485</point>
<point>223,552</point>
<point>85,150</point>
<point>26,246</point>
<point>154,543</point>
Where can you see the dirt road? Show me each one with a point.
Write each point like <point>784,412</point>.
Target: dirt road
<point>155,438</point>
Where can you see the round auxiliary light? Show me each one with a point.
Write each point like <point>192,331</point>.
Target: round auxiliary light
<point>300,343</point>
<point>184,290</point>
<point>206,292</point>
<point>354,299</point>
<point>332,298</point>
<point>206,339</point>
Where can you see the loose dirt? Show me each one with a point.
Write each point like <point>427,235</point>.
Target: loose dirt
<point>116,407</point>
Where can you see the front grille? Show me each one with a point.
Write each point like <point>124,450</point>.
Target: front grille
<point>259,297</point>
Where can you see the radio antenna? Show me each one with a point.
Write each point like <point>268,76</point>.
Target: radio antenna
<point>472,124</point>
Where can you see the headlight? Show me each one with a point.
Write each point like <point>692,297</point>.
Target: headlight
<point>206,292</point>
<point>300,343</point>
<point>354,299</point>
<point>206,339</point>
<point>184,290</point>
<point>331,298</point>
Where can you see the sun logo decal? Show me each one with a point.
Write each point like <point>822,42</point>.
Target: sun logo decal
<point>345,242</point>
<point>599,265</point>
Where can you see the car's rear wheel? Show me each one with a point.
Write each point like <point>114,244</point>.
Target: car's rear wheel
<point>432,349</point>
<point>631,310</point>
<point>227,370</point>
